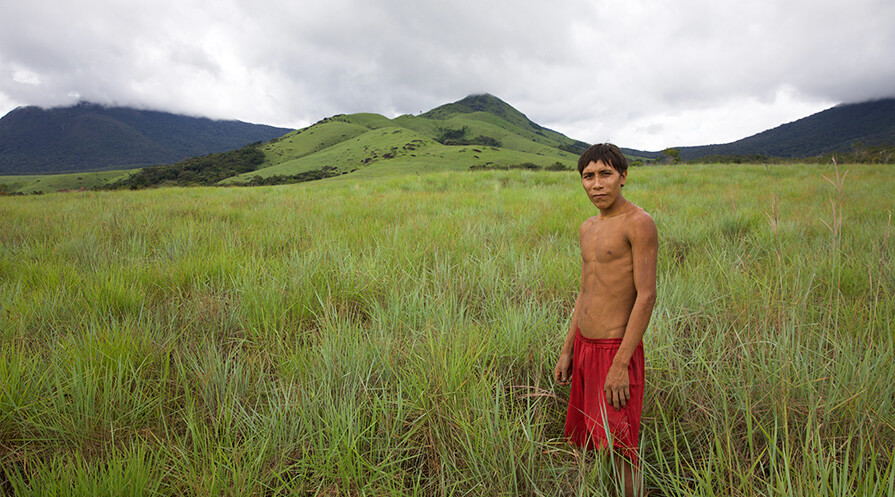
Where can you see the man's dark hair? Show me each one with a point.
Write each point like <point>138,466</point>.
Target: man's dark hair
<point>606,152</point>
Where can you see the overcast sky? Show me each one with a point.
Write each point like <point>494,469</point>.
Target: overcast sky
<point>645,75</point>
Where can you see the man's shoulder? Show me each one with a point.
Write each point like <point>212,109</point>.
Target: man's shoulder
<point>640,216</point>
<point>640,223</point>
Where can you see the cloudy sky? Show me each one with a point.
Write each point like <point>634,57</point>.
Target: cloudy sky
<point>643,74</point>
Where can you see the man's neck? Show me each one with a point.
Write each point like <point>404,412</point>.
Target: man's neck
<point>615,209</point>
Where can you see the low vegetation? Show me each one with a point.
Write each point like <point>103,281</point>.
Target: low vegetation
<point>397,336</point>
<point>530,166</point>
<point>325,172</point>
<point>206,170</point>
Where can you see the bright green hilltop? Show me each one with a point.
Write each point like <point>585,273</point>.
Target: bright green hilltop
<point>480,130</point>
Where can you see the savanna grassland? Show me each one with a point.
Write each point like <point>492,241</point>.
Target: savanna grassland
<point>397,336</point>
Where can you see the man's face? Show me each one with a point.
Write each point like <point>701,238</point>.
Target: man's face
<point>602,183</point>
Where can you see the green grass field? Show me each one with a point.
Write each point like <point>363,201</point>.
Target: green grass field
<point>396,335</point>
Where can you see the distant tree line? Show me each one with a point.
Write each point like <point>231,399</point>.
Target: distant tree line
<point>860,154</point>
<point>205,170</point>
<point>208,170</point>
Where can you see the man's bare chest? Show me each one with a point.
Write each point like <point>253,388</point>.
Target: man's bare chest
<point>605,244</point>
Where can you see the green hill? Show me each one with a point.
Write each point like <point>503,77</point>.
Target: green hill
<point>480,131</point>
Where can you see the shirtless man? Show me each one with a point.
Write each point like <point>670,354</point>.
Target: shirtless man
<point>602,356</point>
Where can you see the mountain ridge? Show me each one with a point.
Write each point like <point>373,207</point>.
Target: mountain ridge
<point>835,130</point>
<point>93,137</point>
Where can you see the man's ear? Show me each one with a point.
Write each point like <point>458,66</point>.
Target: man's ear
<point>624,176</point>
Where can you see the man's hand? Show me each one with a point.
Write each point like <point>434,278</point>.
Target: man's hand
<point>617,386</point>
<point>562,373</point>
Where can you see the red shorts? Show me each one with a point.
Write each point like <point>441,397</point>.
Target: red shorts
<point>591,422</point>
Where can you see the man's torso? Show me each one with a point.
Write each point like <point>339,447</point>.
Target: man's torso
<point>607,276</point>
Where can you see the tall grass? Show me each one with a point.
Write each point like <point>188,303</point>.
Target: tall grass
<point>397,336</point>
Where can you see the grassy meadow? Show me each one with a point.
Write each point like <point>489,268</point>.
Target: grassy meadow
<point>397,336</point>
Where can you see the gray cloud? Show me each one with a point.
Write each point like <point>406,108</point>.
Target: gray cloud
<point>645,75</point>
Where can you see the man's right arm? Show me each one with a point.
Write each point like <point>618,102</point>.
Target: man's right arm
<point>562,373</point>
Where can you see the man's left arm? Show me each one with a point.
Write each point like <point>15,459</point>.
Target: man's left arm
<point>644,240</point>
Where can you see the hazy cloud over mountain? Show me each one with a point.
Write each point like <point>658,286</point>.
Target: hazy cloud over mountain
<point>648,76</point>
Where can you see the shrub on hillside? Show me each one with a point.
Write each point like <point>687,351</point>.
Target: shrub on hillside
<point>557,166</point>
<point>201,171</point>
<point>449,136</point>
<point>279,179</point>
